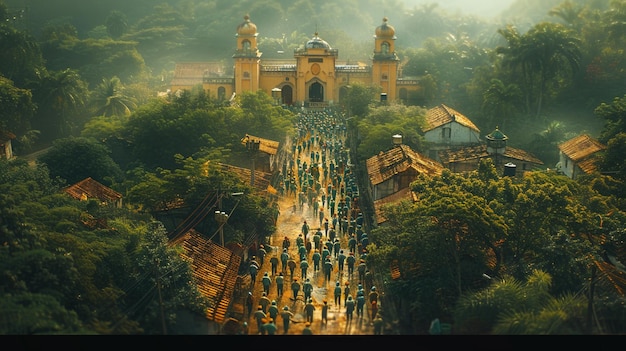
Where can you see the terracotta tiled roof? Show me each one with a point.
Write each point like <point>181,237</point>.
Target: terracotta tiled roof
<point>215,269</point>
<point>397,160</point>
<point>261,179</point>
<point>442,114</point>
<point>268,146</point>
<point>89,188</point>
<point>480,151</point>
<point>403,194</point>
<point>580,149</point>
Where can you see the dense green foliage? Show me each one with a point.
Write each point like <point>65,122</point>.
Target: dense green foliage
<point>466,227</point>
<point>83,77</point>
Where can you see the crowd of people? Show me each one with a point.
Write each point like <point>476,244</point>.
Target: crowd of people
<point>318,260</point>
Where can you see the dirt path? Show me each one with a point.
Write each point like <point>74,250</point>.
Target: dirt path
<point>289,224</point>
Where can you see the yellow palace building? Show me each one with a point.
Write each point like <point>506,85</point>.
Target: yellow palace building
<point>313,78</point>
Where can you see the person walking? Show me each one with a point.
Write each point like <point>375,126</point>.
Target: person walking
<point>360,303</point>
<point>328,268</point>
<point>337,294</point>
<point>307,329</point>
<point>254,270</point>
<point>264,301</point>
<point>346,291</point>
<point>249,303</point>
<point>280,282</point>
<point>274,264</point>
<point>336,247</point>
<point>304,266</point>
<point>317,239</point>
<point>266,281</point>
<point>272,311</point>
<point>269,328</point>
<point>261,252</point>
<point>292,267</point>
<point>352,244</point>
<point>307,289</point>
<point>317,257</point>
<point>284,257</point>
<point>350,261</point>
<point>373,310</point>
<point>286,315</point>
<point>341,259</point>
<point>286,243</point>
<point>302,252</point>
<point>361,269</point>
<point>325,313</point>
<point>309,308</point>
<point>349,308</point>
<point>295,288</point>
<point>305,229</point>
<point>259,315</point>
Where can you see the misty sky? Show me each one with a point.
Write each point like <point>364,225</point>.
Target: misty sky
<point>482,8</point>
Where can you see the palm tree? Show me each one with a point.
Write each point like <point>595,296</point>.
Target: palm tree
<point>108,99</point>
<point>60,95</point>
<point>569,13</point>
<point>547,52</point>
<point>551,51</point>
<point>499,101</point>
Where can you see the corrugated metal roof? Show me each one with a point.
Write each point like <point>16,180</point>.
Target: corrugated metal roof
<point>397,160</point>
<point>580,147</point>
<point>215,269</point>
<point>442,114</point>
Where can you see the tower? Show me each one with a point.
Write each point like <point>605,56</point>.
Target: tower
<point>496,145</point>
<point>247,58</point>
<point>385,60</point>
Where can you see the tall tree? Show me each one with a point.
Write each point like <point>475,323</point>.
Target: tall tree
<point>109,99</point>
<point>60,95</point>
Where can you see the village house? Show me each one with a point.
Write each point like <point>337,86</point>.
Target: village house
<point>390,174</point>
<point>579,155</point>
<point>447,128</point>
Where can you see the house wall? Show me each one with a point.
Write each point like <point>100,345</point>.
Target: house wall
<point>459,135</point>
<point>568,166</point>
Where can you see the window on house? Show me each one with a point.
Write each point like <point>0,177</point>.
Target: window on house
<point>446,133</point>
<point>246,75</point>
<point>384,77</point>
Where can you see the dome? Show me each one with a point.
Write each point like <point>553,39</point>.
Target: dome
<point>497,135</point>
<point>247,27</point>
<point>317,43</point>
<point>385,30</point>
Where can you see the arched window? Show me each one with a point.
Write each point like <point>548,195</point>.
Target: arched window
<point>384,47</point>
<point>246,45</point>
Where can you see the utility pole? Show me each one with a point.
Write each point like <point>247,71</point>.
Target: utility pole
<point>158,284</point>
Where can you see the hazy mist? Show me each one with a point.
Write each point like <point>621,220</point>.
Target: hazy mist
<point>481,8</point>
